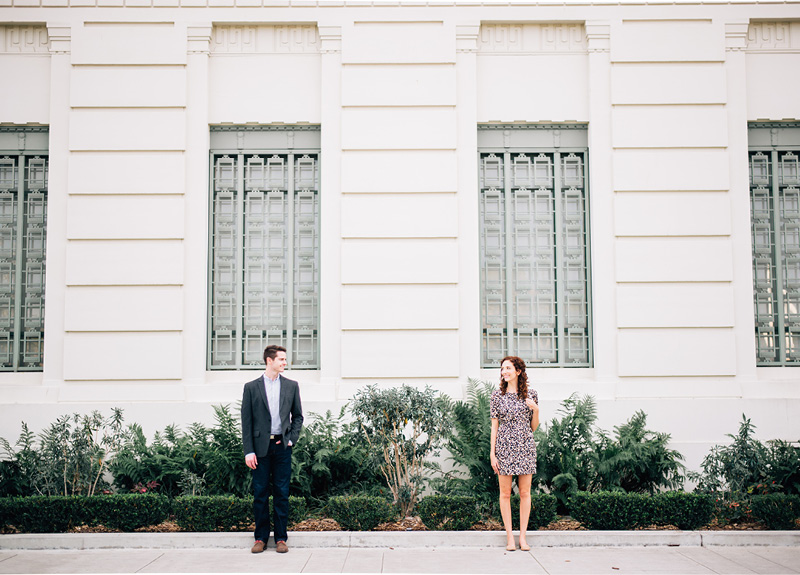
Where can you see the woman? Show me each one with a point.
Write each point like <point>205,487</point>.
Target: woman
<point>515,416</point>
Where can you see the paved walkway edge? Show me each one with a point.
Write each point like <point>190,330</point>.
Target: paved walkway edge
<point>399,539</point>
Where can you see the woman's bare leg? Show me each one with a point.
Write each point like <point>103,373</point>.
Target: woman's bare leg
<point>505,509</point>
<point>524,482</point>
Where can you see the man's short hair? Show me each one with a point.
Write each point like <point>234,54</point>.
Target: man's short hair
<point>271,351</point>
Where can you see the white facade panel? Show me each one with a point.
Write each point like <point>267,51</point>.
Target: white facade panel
<point>129,43</point>
<point>116,217</point>
<point>672,214</point>
<point>122,356</point>
<point>128,86</point>
<point>399,128</point>
<point>387,307</point>
<point>671,169</point>
<point>771,87</point>
<point>675,305</point>
<point>674,260</point>
<point>399,354</point>
<point>126,173</point>
<point>668,83</point>
<point>131,129</point>
<point>403,171</point>
<point>264,88</point>
<point>669,127</point>
<point>407,261</point>
<point>668,40</point>
<point>531,96</point>
<point>127,262</point>
<point>409,85</point>
<point>677,352</point>
<point>124,308</point>
<point>388,42</point>
<point>399,216</point>
<point>31,101</point>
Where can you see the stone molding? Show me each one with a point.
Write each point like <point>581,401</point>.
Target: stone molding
<point>532,39</point>
<point>330,39</point>
<point>269,39</point>
<point>736,36</point>
<point>198,39</point>
<point>15,39</point>
<point>598,37</point>
<point>467,37</point>
<point>774,36</point>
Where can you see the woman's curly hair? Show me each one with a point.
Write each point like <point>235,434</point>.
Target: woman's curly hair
<point>522,378</point>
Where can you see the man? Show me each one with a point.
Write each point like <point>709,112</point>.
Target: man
<point>271,421</point>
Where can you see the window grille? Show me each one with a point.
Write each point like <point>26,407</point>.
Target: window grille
<point>774,159</point>
<point>264,268</point>
<point>23,225</point>
<point>534,253</point>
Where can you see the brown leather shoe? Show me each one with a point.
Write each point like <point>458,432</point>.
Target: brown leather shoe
<point>281,547</point>
<point>258,547</point>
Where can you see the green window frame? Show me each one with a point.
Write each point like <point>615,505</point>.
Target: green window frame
<point>24,167</point>
<point>534,247</point>
<point>264,245</point>
<point>774,166</point>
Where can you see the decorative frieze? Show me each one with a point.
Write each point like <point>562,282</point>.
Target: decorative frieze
<point>532,38</point>
<point>288,39</point>
<point>773,36</point>
<point>24,40</point>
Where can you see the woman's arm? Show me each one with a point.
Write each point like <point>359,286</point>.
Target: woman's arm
<point>493,440</point>
<point>534,407</point>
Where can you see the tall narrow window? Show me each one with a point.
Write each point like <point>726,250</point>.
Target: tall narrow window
<point>775,216</point>
<point>264,252</point>
<point>23,225</point>
<point>534,253</point>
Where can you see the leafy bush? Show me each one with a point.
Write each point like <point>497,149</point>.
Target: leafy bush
<point>636,460</point>
<point>564,450</point>
<point>214,513</point>
<point>448,512</point>
<point>126,512</point>
<point>776,510</point>
<point>57,514</point>
<point>686,511</point>
<point>333,458</point>
<point>730,508</point>
<point>407,425</point>
<point>470,446</point>
<point>71,456</point>
<point>360,513</point>
<point>782,467</point>
<point>611,510</point>
<point>733,468</point>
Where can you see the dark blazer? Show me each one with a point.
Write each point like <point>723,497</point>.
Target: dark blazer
<point>257,421</point>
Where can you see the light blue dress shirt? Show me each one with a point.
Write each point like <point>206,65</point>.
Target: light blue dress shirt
<point>273,389</point>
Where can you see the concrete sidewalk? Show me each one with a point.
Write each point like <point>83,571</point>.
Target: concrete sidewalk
<point>565,552</point>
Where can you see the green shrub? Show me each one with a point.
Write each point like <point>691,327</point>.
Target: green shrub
<point>777,510</point>
<point>57,514</point>
<point>448,512</point>
<point>612,510</point>
<point>686,511</point>
<point>469,446</point>
<point>333,458</point>
<point>360,513</point>
<point>731,508</point>
<point>41,513</point>
<point>225,513</point>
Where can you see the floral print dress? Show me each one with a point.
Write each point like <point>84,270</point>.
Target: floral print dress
<point>515,448</point>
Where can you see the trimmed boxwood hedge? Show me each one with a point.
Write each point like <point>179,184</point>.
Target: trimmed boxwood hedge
<point>360,512</point>
<point>448,512</point>
<point>225,512</point>
<point>616,510</point>
<point>543,511</point>
<point>57,514</point>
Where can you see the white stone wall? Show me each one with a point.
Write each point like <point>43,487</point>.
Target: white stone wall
<point>130,87</point>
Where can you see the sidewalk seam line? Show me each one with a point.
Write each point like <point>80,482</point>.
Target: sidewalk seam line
<point>151,562</point>
<point>697,562</point>
<point>538,562</point>
<point>303,568</point>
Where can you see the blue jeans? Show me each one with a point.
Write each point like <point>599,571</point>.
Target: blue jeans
<point>275,470</point>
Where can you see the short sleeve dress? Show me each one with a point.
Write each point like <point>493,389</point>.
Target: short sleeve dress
<point>515,448</point>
